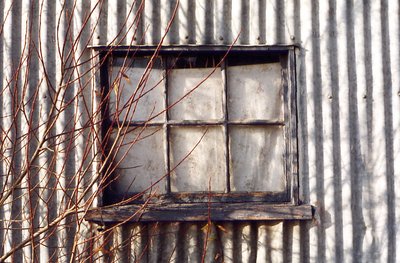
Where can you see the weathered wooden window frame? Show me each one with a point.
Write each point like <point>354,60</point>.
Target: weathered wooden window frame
<point>213,206</point>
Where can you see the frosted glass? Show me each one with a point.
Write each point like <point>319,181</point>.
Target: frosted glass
<point>141,102</point>
<point>143,163</point>
<point>204,103</point>
<point>205,168</point>
<point>255,92</point>
<point>257,162</point>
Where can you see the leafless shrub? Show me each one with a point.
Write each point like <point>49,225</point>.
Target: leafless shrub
<point>54,164</point>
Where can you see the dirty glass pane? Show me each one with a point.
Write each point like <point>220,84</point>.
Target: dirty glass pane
<point>204,169</point>
<point>141,100</point>
<point>142,161</point>
<point>255,92</point>
<point>204,103</point>
<point>257,162</point>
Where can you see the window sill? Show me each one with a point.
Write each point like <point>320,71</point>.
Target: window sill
<point>199,212</point>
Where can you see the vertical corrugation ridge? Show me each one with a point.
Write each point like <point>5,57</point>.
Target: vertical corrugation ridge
<point>29,127</point>
<point>122,20</point>
<point>287,251</point>
<point>326,103</point>
<point>394,26</point>
<point>303,147</point>
<point>65,148</point>
<point>280,21</point>
<point>257,22</point>
<point>102,33</point>
<point>200,21</point>
<point>10,127</point>
<point>335,106</point>
<point>379,192</point>
<point>130,7</point>
<point>168,14</point>
<point>49,54</point>
<point>46,162</point>
<point>318,129</point>
<point>356,169</point>
<point>152,27</point>
<point>244,22</point>
<point>209,22</point>
<point>389,157</point>
<point>18,48</point>
<point>270,26</point>
<point>370,251</point>
<point>183,21</point>
<point>224,27</point>
<point>83,126</point>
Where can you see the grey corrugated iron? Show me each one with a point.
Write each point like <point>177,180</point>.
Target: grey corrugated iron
<point>349,124</point>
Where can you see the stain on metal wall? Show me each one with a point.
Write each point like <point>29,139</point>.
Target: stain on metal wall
<point>348,119</point>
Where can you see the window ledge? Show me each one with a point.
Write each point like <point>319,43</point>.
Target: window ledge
<point>199,212</point>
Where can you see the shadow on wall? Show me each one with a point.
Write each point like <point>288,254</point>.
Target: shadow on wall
<point>214,242</point>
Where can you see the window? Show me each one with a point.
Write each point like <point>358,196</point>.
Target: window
<point>200,133</point>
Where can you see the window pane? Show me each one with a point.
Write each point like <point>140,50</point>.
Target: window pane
<point>257,162</point>
<point>255,92</point>
<point>142,157</point>
<point>204,103</point>
<point>205,168</point>
<point>141,100</point>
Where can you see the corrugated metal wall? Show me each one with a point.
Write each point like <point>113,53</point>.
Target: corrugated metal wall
<point>349,128</point>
